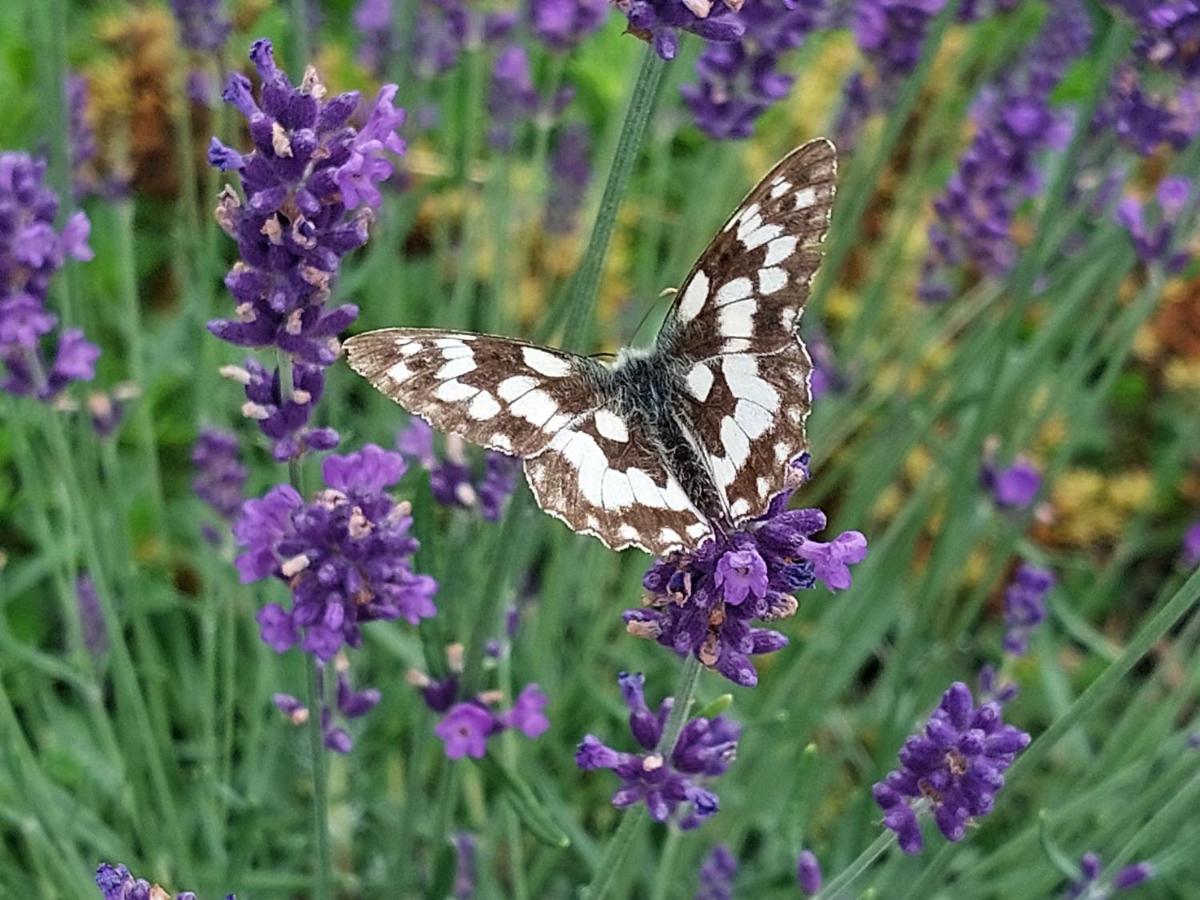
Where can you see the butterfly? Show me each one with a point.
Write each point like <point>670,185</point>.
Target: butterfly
<point>670,444</point>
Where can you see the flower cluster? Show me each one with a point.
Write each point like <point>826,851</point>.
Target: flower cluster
<point>954,765</point>
<point>1154,243</point>
<point>466,726</point>
<point>349,704</point>
<point>1025,606</point>
<point>1013,487</point>
<point>659,22</point>
<point>808,873</point>
<point>344,555</point>
<point>563,24</point>
<point>310,183</point>
<point>1015,125</point>
<point>717,874</point>
<point>445,28</point>
<point>704,602</point>
<point>220,479</point>
<point>1168,33</point>
<point>740,80</point>
<point>1090,866</point>
<point>570,172</point>
<point>891,33</point>
<point>664,779</point>
<point>118,883</point>
<point>451,479</point>
<point>202,26</point>
<point>373,19</point>
<point>1144,119</point>
<point>31,252</point>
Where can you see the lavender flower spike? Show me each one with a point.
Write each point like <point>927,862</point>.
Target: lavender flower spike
<point>1191,546</point>
<point>954,764</point>
<point>1025,606</point>
<point>659,22</point>
<point>671,783</point>
<point>717,874</point>
<point>117,883</point>
<point>808,873</point>
<point>562,24</point>
<point>1088,883</point>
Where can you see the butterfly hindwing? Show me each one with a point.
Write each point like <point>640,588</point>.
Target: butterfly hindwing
<point>508,395</point>
<point>734,326</point>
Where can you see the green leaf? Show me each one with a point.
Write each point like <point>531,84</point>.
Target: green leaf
<point>525,803</point>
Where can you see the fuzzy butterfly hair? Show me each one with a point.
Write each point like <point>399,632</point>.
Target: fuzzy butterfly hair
<point>668,444</point>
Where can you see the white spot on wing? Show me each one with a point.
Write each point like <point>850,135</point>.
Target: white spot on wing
<point>732,291</point>
<point>616,490</point>
<point>545,363</point>
<point>735,442</point>
<point>669,536</point>
<point>762,235</point>
<point>408,349</point>
<point>399,372</point>
<point>675,496</point>
<point>735,345</point>
<point>696,530</point>
<point>764,487</point>
<point>779,188</point>
<point>611,426</point>
<point>753,419</point>
<point>700,381</point>
<point>454,390</point>
<point>501,442</point>
<point>741,374</point>
<point>737,319</point>
<point>783,451</point>
<point>535,407</point>
<point>693,298</point>
<point>780,249</point>
<point>805,197</point>
<point>740,507</point>
<point>628,533</point>
<point>514,386</point>
<point>447,342</point>
<point>771,280</point>
<point>484,406</point>
<point>645,491</point>
<point>459,366</point>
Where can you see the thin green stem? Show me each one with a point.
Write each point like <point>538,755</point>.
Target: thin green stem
<point>666,877</point>
<point>322,882</point>
<point>580,298</point>
<point>860,864</point>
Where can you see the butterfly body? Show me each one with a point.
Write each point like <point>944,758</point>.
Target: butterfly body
<point>669,443</point>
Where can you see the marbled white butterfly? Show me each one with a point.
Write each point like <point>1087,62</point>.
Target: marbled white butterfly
<point>668,443</point>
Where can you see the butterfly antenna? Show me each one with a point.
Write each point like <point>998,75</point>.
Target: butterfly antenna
<point>666,292</point>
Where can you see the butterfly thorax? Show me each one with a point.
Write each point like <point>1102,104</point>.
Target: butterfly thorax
<point>646,386</point>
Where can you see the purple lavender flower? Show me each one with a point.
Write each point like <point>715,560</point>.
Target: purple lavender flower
<point>466,726</point>
<point>1015,124</point>
<point>512,97</point>
<point>283,416</point>
<point>664,782</point>
<point>83,138</point>
<point>570,172</point>
<point>117,883</point>
<point>1154,244</point>
<point>740,80</point>
<point>445,28</point>
<point>373,20</point>
<point>991,689</point>
<point>717,874</point>
<point>808,873</point>
<point>562,24</point>
<point>464,867</point>
<point>307,174</point>
<point>704,602</point>
<point>826,378</point>
<point>91,617</point>
<point>220,479</point>
<point>954,765</point>
<point>344,555</point>
<point>350,704</point>
<point>1144,119</point>
<point>1025,606</point>
<point>1169,33</point>
<point>1090,867</point>
<point>451,480</point>
<point>1191,546</point>
<point>891,33</point>
<point>659,22</point>
<point>1015,487</point>
<point>202,25</point>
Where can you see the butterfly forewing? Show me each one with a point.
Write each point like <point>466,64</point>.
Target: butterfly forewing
<point>734,324</point>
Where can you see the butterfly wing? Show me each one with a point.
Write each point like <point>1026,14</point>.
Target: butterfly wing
<point>586,463</point>
<point>734,329</point>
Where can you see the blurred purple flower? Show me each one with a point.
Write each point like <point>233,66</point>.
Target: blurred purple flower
<point>528,712</point>
<point>220,479</point>
<point>1015,487</point>
<point>345,555</point>
<point>891,33</point>
<point>704,602</point>
<point>717,874</point>
<point>1090,867</point>
<point>1015,123</point>
<point>464,867</point>
<point>284,418</point>
<point>512,97</point>
<point>659,22</point>
<point>1168,33</point>
<point>1025,606</point>
<point>1145,119</point>
<point>954,764</point>
<point>1155,243</point>
<point>562,24</point>
<point>91,617</point>
<point>570,172</point>
<point>202,25</point>
<point>993,690</point>
<point>808,873</point>
<point>465,730</point>
<point>704,750</point>
<point>303,180</point>
<point>83,138</point>
<point>445,28</point>
<point>31,252</point>
<point>740,80</point>
<point>373,20</point>
<point>466,726</point>
<point>1191,546</point>
<point>451,480</point>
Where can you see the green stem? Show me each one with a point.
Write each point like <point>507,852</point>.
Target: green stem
<point>611,865</point>
<point>859,865</point>
<point>321,883</point>
<point>299,23</point>
<point>666,876</point>
<point>580,298</point>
